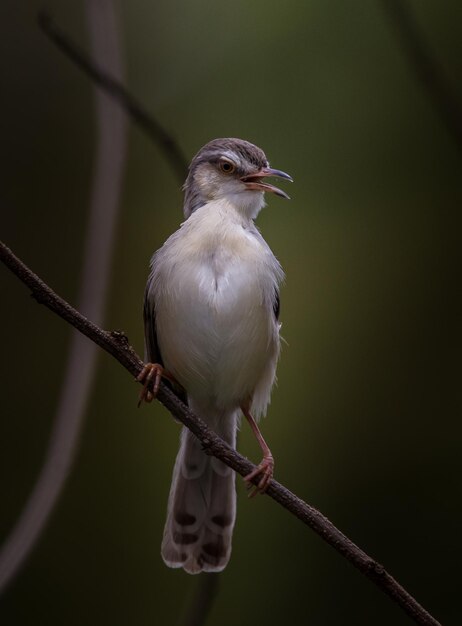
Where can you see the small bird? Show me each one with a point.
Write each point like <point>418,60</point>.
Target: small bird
<point>211,315</point>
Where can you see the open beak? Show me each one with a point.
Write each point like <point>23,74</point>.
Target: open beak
<point>254,182</point>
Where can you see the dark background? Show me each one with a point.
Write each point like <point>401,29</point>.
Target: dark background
<point>365,420</point>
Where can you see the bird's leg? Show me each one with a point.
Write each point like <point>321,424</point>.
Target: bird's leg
<point>266,467</point>
<point>152,372</point>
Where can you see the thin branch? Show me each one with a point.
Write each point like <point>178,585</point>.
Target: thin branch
<point>119,93</point>
<point>426,67</point>
<point>94,283</point>
<point>117,345</point>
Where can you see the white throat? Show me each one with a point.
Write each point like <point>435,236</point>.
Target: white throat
<point>246,203</point>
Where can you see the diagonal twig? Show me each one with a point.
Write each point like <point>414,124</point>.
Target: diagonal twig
<point>117,345</point>
<point>155,131</point>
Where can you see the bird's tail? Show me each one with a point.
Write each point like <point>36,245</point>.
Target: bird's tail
<point>202,504</point>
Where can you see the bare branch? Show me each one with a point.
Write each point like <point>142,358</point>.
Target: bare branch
<point>117,345</point>
<point>118,92</point>
<point>429,72</point>
<point>94,283</point>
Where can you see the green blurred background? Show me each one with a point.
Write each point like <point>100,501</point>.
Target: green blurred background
<point>365,420</point>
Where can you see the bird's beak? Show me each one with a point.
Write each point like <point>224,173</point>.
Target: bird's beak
<point>253,181</point>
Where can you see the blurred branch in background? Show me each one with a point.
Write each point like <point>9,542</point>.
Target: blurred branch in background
<point>428,70</point>
<point>94,283</point>
<point>117,344</point>
<point>110,82</point>
<point>204,593</point>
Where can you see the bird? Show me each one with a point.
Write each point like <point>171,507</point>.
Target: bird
<point>211,320</point>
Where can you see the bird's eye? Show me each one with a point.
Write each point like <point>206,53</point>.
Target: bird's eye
<point>227,167</point>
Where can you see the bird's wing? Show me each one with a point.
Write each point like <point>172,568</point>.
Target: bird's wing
<point>276,304</point>
<point>151,346</point>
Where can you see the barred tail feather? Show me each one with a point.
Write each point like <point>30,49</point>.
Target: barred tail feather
<point>202,505</point>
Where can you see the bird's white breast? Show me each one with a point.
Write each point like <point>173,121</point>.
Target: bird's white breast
<point>213,285</point>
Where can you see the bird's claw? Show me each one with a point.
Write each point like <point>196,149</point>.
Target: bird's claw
<point>150,372</point>
<point>265,469</point>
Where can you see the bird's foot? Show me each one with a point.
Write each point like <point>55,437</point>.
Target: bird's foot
<point>152,373</point>
<point>265,470</point>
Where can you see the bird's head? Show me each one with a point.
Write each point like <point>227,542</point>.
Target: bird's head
<point>233,170</point>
